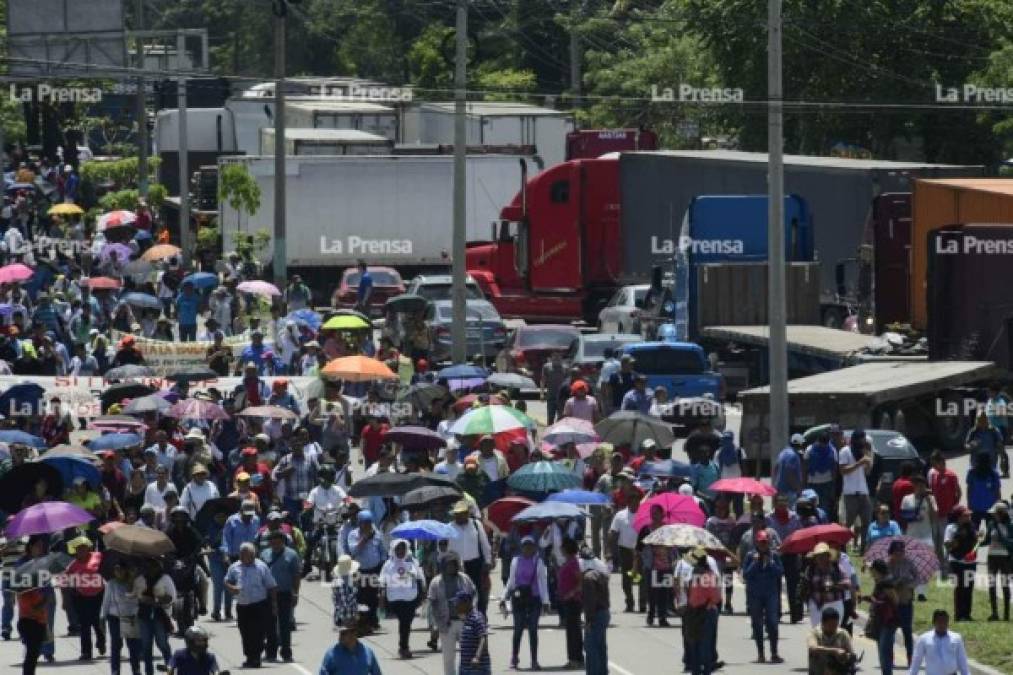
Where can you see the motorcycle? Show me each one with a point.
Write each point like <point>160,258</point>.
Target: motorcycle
<point>325,553</point>
<point>183,572</point>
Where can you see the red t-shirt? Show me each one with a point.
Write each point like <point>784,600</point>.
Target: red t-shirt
<point>84,577</point>
<point>371,441</point>
<point>902,487</point>
<point>945,486</point>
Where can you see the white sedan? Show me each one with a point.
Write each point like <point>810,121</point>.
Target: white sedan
<point>619,315</point>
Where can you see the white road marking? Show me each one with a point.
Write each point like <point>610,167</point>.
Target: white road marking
<point>301,669</point>
<point>613,666</point>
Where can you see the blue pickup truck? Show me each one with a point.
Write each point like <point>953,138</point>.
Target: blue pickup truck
<point>682,368</point>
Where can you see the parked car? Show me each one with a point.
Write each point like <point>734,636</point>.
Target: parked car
<point>890,449</point>
<point>619,315</point>
<point>386,284</point>
<point>486,330</point>
<point>529,347</point>
<point>441,287</point>
<point>587,352</point>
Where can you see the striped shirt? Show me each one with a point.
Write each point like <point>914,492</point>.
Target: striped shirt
<point>472,632</point>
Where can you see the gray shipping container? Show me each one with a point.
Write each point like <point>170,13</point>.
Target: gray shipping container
<point>735,294</point>
<point>656,189</point>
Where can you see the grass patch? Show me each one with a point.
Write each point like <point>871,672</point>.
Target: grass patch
<point>987,642</point>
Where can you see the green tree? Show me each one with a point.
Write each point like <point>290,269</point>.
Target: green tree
<point>238,187</point>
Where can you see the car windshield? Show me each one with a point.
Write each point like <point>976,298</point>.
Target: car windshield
<point>667,362</point>
<point>475,312</point>
<point>380,278</point>
<point>639,294</point>
<point>443,291</point>
<point>546,338</point>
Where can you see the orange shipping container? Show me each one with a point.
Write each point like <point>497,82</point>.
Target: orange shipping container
<point>955,201</point>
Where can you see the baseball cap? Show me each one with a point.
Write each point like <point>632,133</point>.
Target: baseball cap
<point>797,439</point>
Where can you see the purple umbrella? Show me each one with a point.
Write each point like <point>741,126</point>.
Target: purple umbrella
<point>415,438</point>
<point>197,409</point>
<point>123,252</point>
<point>46,517</point>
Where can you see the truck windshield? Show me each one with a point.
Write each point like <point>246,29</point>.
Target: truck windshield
<point>668,362</point>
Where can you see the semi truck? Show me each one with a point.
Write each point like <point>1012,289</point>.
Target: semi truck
<point>579,230</point>
<point>592,143</point>
<point>390,210</point>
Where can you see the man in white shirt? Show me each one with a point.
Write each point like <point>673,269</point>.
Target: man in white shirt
<point>472,544</point>
<point>153,494</point>
<point>449,467</point>
<point>623,537</point>
<point>165,451</point>
<point>198,491</point>
<point>941,651</point>
<point>855,467</point>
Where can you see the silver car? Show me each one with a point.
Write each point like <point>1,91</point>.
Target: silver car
<point>441,287</point>
<point>619,315</point>
<point>486,330</point>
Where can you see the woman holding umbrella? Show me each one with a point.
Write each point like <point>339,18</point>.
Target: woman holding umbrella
<point>36,608</point>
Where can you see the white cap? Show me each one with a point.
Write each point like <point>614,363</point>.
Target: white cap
<point>797,439</point>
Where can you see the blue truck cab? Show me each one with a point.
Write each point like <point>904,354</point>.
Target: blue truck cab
<point>681,368</point>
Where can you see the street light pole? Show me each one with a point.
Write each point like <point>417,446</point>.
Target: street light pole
<point>778,358</point>
<point>185,241</point>
<point>459,327</point>
<point>280,261</point>
<point>141,109</point>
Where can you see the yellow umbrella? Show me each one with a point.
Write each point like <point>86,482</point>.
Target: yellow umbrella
<point>345,322</point>
<point>66,209</point>
<point>161,252</point>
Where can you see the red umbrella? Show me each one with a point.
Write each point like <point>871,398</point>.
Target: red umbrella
<point>502,511</point>
<point>102,283</point>
<point>805,540</point>
<point>678,509</point>
<point>746,486</point>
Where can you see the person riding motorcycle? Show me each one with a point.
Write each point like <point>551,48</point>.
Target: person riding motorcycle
<point>189,546</point>
<point>194,659</point>
<point>324,499</point>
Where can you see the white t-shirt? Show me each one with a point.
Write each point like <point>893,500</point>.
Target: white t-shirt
<point>921,528</point>
<point>622,523</point>
<point>448,469</point>
<point>854,482</point>
<point>322,498</point>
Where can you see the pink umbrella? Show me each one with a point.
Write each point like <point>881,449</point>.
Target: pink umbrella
<point>14,273</point>
<point>45,518</point>
<point>678,509</point>
<point>584,450</point>
<point>197,409</point>
<point>746,486</point>
<point>116,424</point>
<point>258,287</point>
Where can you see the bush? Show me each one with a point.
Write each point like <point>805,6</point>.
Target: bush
<point>122,199</point>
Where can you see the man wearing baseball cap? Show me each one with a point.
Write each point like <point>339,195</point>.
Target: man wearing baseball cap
<point>366,547</point>
<point>787,471</point>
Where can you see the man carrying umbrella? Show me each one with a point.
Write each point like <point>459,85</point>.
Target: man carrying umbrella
<point>472,545</point>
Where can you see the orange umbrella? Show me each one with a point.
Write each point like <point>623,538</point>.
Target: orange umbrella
<point>102,283</point>
<point>161,252</point>
<point>358,369</point>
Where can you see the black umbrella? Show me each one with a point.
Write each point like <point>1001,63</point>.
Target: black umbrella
<point>406,303</point>
<point>422,395</point>
<point>394,484</point>
<point>212,507</point>
<point>424,496</point>
<point>128,371</point>
<point>197,374</point>
<point>118,392</point>
<point>20,482</point>
<point>23,400</point>
<point>415,438</point>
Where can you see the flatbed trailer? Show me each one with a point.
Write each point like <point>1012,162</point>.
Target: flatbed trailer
<point>931,402</point>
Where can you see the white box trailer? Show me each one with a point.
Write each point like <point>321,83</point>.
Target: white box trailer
<point>493,123</point>
<point>390,210</point>
<point>327,142</point>
<point>360,115</point>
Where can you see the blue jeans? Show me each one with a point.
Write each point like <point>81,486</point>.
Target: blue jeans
<point>219,595</point>
<point>188,332</point>
<point>765,612</point>
<point>701,652</point>
<point>885,644</point>
<point>596,659</point>
<point>152,632</point>
<point>527,618</point>
<point>905,617</point>
<point>116,641</point>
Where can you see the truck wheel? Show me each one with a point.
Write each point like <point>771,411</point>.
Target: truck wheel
<point>833,317</point>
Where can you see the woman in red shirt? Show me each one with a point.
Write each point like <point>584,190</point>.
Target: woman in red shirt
<point>372,439</point>
<point>570,605</point>
<point>86,586</point>
<point>700,624</point>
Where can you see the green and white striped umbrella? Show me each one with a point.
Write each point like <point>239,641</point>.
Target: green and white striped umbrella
<point>491,419</point>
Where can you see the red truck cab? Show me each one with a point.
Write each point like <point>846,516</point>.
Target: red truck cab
<point>557,252</point>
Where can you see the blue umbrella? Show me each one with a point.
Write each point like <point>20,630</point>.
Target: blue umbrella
<point>74,467</point>
<point>578,497</point>
<point>145,300</point>
<point>548,511</point>
<point>306,316</point>
<point>202,280</point>
<point>462,372</point>
<point>113,442</point>
<point>20,186</point>
<point>23,399</point>
<point>668,467</point>
<point>424,530</point>
<point>21,437</point>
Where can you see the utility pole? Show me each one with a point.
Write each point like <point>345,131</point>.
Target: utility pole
<point>459,328</point>
<point>575,53</point>
<point>778,358</point>
<point>141,109</point>
<point>185,241</point>
<point>280,261</point>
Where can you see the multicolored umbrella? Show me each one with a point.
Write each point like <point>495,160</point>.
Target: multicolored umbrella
<point>357,369</point>
<point>502,511</point>
<point>570,430</point>
<point>579,497</point>
<point>259,287</point>
<point>543,477</point>
<point>424,530</point>
<point>46,518</point>
<point>491,419</point>
<point>676,508</point>
<point>683,535</point>
<point>920,553</point>
<point>744,485</point>
<point>632,428</point>
<point>115,219</point>
<point>15,273</point>
<point>805,540</point>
